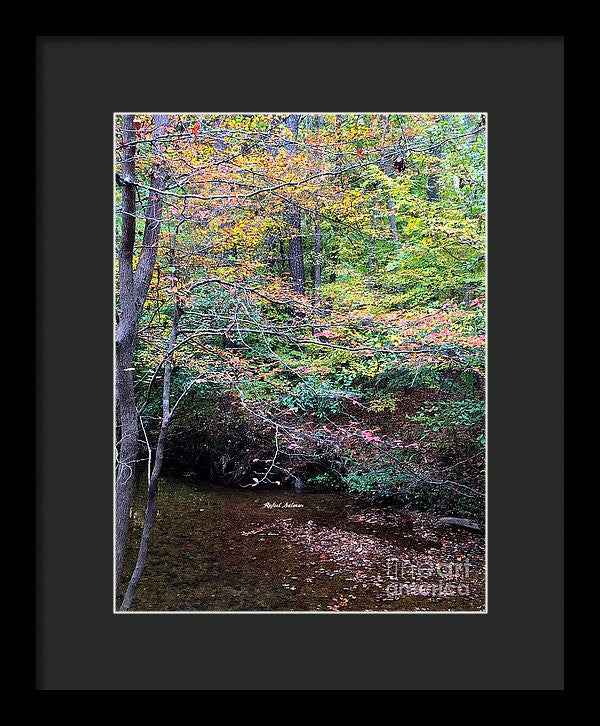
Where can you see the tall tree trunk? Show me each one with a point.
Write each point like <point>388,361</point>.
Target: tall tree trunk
<point>295,252</point>
<point>318,251</point>
<point>293,220</point>
<point>318,239</point>
<point>393,225</point>
<point>433,178</point>
<point>282,256</point>
<point>127,447</point>
<point>340,161</point>
<point>133,290</point>
<point>371,267</point>
<point>389,170</point>
<point>156,469</point>
<point>271,251</point>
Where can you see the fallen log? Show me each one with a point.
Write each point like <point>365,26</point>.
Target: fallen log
<point>460,523</point>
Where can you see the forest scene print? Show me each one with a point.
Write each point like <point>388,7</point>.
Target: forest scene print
<point>300,362</point>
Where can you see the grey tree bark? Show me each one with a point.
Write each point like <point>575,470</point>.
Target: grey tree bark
<point>390,203</point>
<point>293,220</point>
<point>156,468</point>
<point>388,167</point>
<point>433,179</point>
<point>318,240</point>
<point>318,252</point>
<point>133,290</point>
<point>371,248</point>
<point>271,251</point>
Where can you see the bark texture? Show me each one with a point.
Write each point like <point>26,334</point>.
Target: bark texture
<point>433,179</point>
<point>318,252</point>
<point>318,264</point>
<point>296,254</point>
<point>294,223</point>
<point>133,290</point>
<point>389,170</point>
<point>156,468</point>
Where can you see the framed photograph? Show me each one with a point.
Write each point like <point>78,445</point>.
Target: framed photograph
<point>300,362</point>
<point>308,388</point>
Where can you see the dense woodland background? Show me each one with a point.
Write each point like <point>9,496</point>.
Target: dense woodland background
<point>300,302</point>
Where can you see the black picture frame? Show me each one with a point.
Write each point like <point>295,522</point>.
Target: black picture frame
<point>81,81</point>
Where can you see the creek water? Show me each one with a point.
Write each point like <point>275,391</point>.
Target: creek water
<point>216,548</point>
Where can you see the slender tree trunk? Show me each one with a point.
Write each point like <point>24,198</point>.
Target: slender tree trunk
<point>340,161</point>
<point>393,225</point>
<point>371,249</point>
<point>295,253</point>
<point>318,251</point>
<point>282,256</point>
<point>389,170</point>
<point>390,204</point>
<point>271,251</point>
<point>433,179</point>
<point>293,220</point>
<point>318,239</point>
<point>133,290</point>
<point>127,447</point>
<point>156,469</point>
